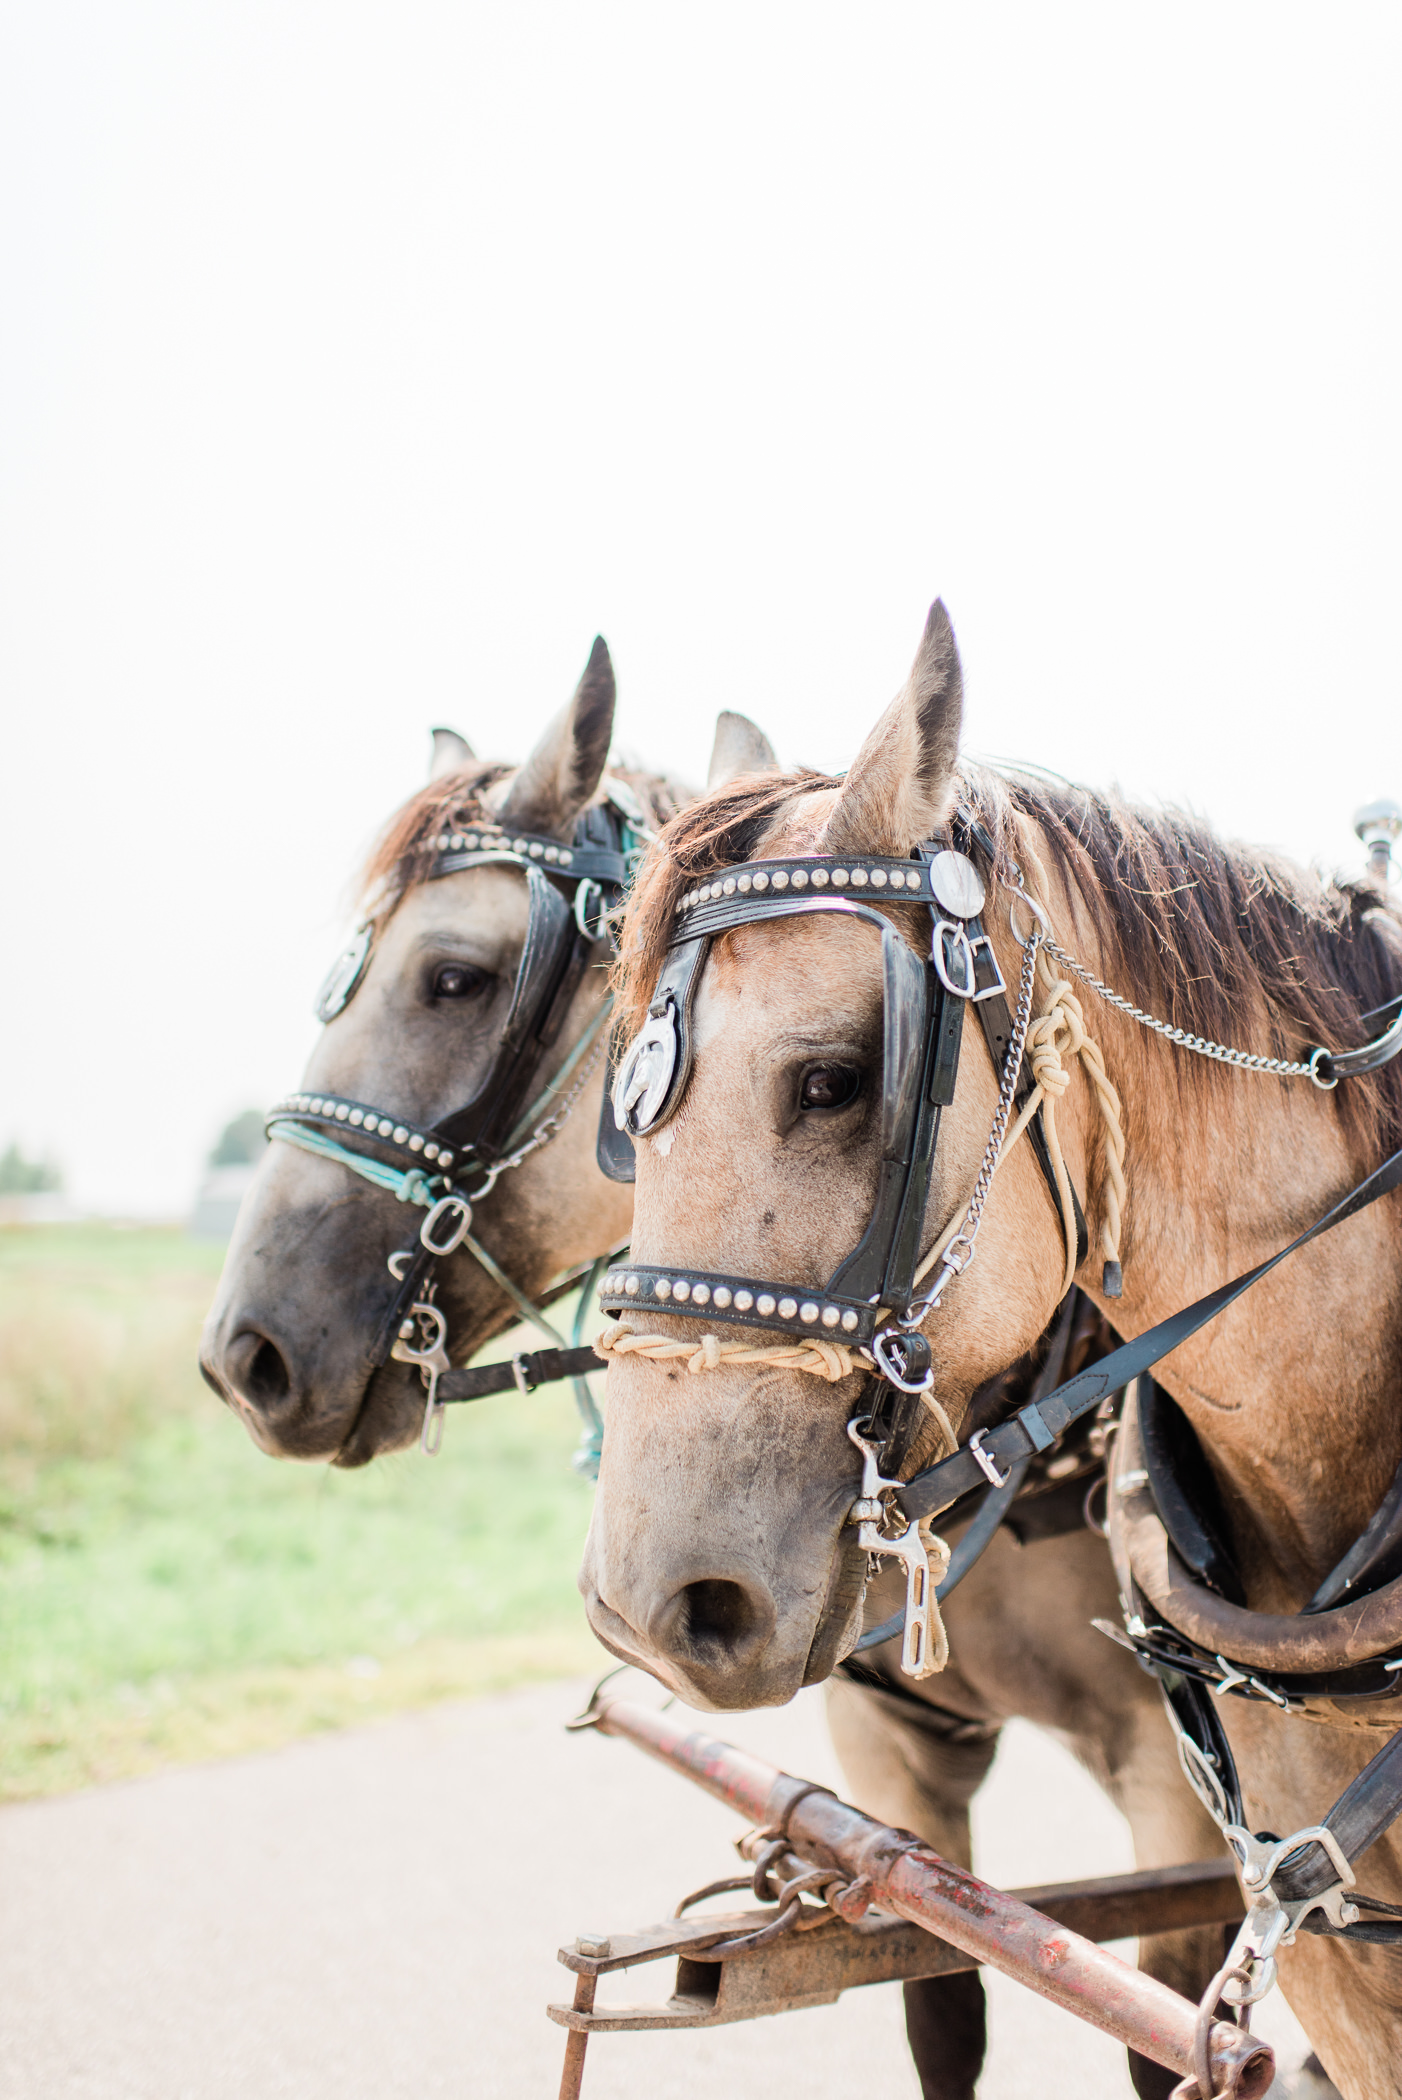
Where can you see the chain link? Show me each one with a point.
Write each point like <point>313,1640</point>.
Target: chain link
<point>960,1251</point>
<point>1282,1068</point>
<point>543,1132</point>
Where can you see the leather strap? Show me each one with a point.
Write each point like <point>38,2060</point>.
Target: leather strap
<point>1041,1422</point>
<point>538,1367</point>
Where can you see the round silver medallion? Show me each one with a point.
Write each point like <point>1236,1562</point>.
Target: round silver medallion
<point>645,1075</point>
<point>344,975</point>
<point>957,884</point>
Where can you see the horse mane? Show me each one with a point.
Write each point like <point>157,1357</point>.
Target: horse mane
<point>1203,932</point>
<point>402,857</point>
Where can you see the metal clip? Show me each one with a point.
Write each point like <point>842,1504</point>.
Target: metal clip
<point>924,1649</point>
<point>582,892</point>
<point>456,1234</point>
<point>432,1361</point>
<point>983,945</point>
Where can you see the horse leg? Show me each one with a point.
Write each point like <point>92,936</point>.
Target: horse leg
<point>918,1767</point>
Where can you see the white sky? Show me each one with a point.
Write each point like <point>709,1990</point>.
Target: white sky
<point>359,361</point>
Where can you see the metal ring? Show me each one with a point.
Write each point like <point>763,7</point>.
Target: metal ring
<point>1043,922</point>
<point>456,1233</point>
<point>1326,1086</point>
<point>581,907</point>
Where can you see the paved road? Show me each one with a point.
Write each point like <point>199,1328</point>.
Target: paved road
<point>375,1914</point>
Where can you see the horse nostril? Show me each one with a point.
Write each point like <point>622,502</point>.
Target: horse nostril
<point>718,1614</point>
<point>255,1368</point>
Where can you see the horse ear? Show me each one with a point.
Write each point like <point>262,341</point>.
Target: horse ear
<point>740,747</point>
<point>451,753</point>
<point>901,788</point>
<point>567,764</point>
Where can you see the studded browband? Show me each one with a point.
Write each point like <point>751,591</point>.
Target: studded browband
<point>923,1012</point>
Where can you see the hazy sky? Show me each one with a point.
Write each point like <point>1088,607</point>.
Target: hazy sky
<point>359,362</point>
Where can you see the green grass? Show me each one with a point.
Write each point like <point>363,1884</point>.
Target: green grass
<point>166,1591</point>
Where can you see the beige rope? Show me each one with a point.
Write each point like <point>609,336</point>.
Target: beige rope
<point>830,1360</point>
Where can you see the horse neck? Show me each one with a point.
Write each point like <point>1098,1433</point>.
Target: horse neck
<point>1294,1390</point>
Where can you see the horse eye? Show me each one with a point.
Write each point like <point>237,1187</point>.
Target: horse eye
<point>457,981</point>
<point>829,1086</point>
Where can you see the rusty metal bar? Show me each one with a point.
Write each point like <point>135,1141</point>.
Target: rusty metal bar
<point>907,1877</point>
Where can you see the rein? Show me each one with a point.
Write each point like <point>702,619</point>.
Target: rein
<point>449,1167</point>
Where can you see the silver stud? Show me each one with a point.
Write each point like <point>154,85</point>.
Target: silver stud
<point>761,882</point>
<point>442,842</point>
<point>566,857</point>
<point>729,886</point>
<point>552,854</point>
<point>342,1111</point>
<point>430,1150</point>
<point>787,1308</point>
<point>878,878</point>
<point>630,1287</point>
<point>537,851</point>
<point>744,1300</point>
<point>445,1159</point>
<point>820,878</point>
<point>356,1117</point>
<point>780,879</point>
<point>401,1134</point>
<point>416,1143</point>
<point>831,1316</point>
<point>471,841</point>
<point>681,1291</point>
<point>315,1106</point>
<point>662,1288</point>
<point>764,1304</point>
<point>722,1296</point>
<point>457,842</point>
<point>701,1295</point>
<point>743,885</point>
<point>859,876</point>
<point>799,879</point>
<point>839,878</point>
<point>808,1313</point>
<point>849,1321</point>
<point>385,1127</point>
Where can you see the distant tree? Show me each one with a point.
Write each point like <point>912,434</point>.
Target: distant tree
<point>26,1177</point>
<point>241,1142</point>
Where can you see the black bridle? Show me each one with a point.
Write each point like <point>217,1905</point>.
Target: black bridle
<point>868,1301</point>
<point>574,892</point>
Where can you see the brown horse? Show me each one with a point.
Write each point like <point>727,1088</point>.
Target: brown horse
<point>721,1557</point>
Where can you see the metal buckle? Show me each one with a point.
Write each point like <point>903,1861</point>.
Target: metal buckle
<point>582,889</point>
<point>999,984</point>
<point>987,1463</point>
<point>456,1234</point>
<point>519,1372</point>
<point>891,1348</point>
<point>960,942</point>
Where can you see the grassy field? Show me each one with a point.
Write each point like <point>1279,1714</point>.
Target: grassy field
<point>168,1593</point>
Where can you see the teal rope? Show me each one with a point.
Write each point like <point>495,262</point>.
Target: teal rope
<point>410,1185</point>
<point>591,1445</point>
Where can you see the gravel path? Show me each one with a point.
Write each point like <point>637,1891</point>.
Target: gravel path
<point>376,1914</point>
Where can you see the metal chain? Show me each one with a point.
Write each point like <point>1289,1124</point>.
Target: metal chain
<point>960,1251</point>
<point>1282,1068</point>
<point>543,1132</point>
